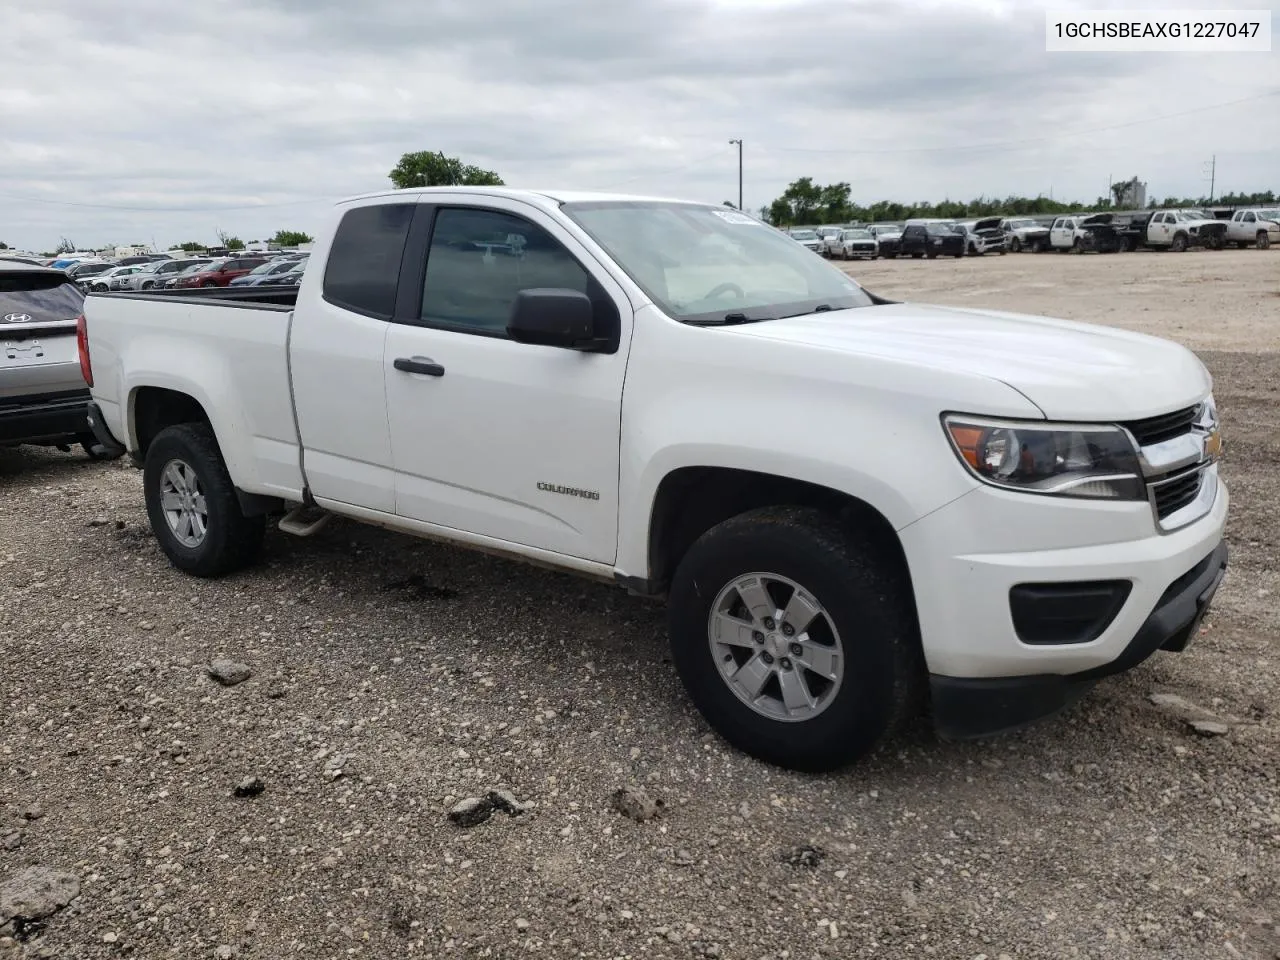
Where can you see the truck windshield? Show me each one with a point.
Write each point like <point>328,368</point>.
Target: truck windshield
<point>701,263</point>
<point>1269,214</point>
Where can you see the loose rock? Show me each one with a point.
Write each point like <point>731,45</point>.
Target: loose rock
<point>472,811</point>
<point>13,841</point>
<point>1210,728</point>
<point>803,856</point>
<point>636,804</point>
<point>1180,707</point>
<point>229,672</point>
<point>249,787</point>
<point>36,892</point>
<point>506,801</point>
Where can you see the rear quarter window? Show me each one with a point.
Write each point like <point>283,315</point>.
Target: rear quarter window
<point>363,268</point>
<point>42,297</point>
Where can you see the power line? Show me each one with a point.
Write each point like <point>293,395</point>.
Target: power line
<point>951,148</point>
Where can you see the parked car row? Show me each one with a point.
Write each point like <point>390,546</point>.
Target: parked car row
<point>201,272</point>
<point>1175,230</point>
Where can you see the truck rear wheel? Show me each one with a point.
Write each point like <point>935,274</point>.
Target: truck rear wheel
<point>793,639</point>
<point>192,504</point>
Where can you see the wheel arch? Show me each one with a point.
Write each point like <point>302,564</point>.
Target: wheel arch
<point>690,500</point>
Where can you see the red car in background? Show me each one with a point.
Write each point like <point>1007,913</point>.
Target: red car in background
<point>220,274</point>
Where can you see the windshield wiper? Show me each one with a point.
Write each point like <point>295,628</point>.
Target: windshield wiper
<point>728,320</point>
<point>820,308</point>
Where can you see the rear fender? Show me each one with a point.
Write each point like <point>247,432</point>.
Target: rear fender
<point>206,377</point>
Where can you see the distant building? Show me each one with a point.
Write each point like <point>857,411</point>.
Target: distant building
<point>1130,194</point>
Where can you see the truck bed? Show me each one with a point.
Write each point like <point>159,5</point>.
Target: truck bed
<point>231,343</point>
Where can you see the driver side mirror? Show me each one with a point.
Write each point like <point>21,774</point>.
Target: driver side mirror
<point>553,317</point>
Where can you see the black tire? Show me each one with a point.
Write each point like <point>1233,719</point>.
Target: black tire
<point>1264,240</point>
<point>871,608</point>
<point>232,541</point>
<point>207,284</point>
<point>931,256</point>
<point>916,256</point>
<point>1015,245</point>
<point>1179,244</point>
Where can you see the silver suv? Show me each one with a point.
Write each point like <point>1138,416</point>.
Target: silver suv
<point>43,396</point>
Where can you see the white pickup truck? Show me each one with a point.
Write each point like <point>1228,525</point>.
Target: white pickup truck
<point>848,503</point>
<point>1254,228</point>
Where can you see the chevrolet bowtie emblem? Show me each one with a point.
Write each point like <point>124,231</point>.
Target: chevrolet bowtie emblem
<point>1213,445</point>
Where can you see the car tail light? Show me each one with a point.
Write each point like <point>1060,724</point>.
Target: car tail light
<point>82,347</point>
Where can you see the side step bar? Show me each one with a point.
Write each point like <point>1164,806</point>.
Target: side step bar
<point>303,521</point>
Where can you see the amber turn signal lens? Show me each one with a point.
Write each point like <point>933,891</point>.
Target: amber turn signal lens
<point>968,440</point>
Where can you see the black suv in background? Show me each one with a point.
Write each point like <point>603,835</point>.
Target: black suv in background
<point>931,239</point>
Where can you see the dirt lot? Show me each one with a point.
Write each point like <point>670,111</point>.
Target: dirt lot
<point>391,678</point>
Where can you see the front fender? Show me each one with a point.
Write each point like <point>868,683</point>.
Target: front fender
<point>865,427</point>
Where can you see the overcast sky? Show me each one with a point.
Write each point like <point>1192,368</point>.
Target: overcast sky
<point>152,119</point>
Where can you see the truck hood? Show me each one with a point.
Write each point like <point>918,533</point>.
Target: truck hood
<point>1071,371</point>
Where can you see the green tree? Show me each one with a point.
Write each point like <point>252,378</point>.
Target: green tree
<point>291,238</point>
<point>833,201</point>
<point>430,168</point>
<point>230,242</point>
<point>4,246</point>
<point>799,203</point>
<point>191,246</point>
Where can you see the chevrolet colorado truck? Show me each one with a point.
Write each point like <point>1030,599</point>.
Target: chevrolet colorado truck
<point>850,505</point>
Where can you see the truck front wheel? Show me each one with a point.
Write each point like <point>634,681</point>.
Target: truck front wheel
<point>794,639</point>
<point>1179,244</point>
<point>1264,240</point>
<point>192,504</point>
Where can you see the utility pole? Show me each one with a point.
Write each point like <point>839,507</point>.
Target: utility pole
<point>739,143</point>
<point>1213,173</point>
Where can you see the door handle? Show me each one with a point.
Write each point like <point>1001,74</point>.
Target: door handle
<point>419,365</point>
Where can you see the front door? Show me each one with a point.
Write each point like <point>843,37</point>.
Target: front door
<point>491,437</point>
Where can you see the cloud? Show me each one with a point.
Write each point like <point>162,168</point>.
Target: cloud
<point>251,115</point>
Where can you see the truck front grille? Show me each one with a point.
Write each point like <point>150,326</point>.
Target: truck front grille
<point>1173,494</point>
<point>1155,430</point>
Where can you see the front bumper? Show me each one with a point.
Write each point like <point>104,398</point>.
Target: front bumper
<point>47,418</point>
<point>963,594</point>
<point>965,707</point>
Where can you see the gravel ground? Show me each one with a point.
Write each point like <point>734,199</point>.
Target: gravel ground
<point>392,678</point>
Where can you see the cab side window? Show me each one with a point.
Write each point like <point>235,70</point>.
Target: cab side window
<point>363,267</point>
<point>479,260</point>
<point>1250,218</point>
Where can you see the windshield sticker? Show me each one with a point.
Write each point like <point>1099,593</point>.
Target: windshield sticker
<point>732,216</point>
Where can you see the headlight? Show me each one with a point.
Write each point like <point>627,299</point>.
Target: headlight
<point>1065,460</point>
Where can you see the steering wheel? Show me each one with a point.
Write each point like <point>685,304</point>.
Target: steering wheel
<point>726,288</point>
